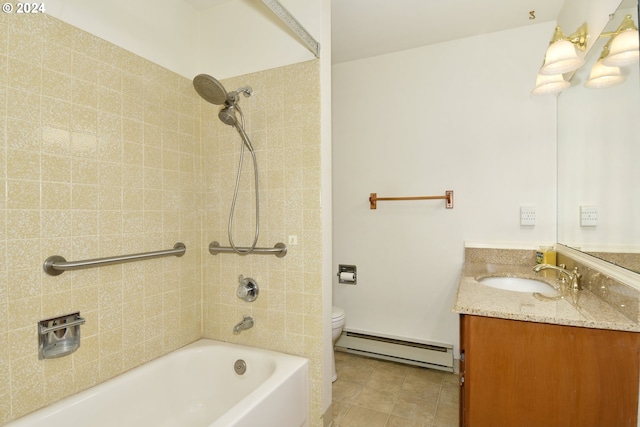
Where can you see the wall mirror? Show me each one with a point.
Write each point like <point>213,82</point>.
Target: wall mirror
<point>599,160</point>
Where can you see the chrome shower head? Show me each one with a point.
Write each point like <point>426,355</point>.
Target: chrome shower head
<point>210,89</point>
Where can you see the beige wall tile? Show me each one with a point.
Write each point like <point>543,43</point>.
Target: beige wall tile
<point>102,160</point>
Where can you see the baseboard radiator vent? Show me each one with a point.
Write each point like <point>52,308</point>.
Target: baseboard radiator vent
<point>428,355</point>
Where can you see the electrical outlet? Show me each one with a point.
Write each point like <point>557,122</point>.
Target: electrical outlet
<point>292,239</point>
<point>588,216</point>
<point>527,215</point>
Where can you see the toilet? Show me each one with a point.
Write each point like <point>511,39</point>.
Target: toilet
<point>337,323</point>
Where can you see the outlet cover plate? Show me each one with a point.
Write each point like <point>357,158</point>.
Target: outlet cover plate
<point>527,215</point>
<point>588,216</point>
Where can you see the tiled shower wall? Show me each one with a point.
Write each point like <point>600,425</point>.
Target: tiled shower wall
<point>283,123</point>
<point>101,155</point>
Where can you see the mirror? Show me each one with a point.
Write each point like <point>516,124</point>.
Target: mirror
<point>598,161</point>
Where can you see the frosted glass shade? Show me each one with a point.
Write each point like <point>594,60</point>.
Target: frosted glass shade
<point>546,85</point>
<point>624,49</point>
<point>561,57</point>
<point>602,76</point>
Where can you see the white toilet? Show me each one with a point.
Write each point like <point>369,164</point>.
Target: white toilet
<point>337,323</point>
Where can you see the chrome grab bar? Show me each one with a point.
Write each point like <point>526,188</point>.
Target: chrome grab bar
<point>279,250</point>
<point>56,265</point>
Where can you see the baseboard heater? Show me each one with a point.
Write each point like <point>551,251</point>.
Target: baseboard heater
<point>425,354</point>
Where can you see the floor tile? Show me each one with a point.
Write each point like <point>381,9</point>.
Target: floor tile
<point>394,421</point>
<point>364,417</point>
<point>415,409</point>
<point>375,399</point>
<point>378,393</point>
<point>446,415</point>
<point>346,391</point>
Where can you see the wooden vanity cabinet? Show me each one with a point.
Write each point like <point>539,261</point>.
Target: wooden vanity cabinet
<point>524,374</point>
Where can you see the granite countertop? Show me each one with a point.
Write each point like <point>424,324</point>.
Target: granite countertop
<point>581,308</point>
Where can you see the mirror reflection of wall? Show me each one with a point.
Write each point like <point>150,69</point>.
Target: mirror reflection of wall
<point>598,156</point>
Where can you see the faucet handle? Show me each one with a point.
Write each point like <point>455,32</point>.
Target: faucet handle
<point>247,289</point>
<point>575,279</point>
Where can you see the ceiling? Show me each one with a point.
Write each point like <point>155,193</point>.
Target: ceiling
<point>364,28</point>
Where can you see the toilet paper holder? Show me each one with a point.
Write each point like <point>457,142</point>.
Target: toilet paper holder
<point>347,274</point>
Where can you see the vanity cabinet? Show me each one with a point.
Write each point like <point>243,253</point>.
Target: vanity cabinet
<point>516,373</point>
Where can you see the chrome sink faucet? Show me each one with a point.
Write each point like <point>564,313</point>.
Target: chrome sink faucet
<point>572,277</point>
<point>245,323</point>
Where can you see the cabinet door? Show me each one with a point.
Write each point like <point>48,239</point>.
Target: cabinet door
<point>535,374</point>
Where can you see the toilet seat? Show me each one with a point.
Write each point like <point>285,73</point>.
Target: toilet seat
<point>337,314</point>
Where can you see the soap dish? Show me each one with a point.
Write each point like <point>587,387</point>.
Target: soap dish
<point>59,336</point>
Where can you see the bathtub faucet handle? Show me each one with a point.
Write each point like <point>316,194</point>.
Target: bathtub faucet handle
<point>247,289</point>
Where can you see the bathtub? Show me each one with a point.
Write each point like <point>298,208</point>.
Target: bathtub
<point>194,386</point>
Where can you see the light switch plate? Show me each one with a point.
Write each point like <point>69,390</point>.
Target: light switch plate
<point>527,215</point>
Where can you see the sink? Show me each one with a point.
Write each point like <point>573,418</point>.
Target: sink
<point>517,284</point>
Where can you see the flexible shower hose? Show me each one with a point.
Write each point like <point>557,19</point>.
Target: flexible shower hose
<point>235,194</point>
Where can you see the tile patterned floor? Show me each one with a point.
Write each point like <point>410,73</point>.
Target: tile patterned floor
<point>377,393</point>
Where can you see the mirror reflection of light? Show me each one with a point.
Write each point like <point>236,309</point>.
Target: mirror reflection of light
<point>624,49</point>
<point>602,76</point>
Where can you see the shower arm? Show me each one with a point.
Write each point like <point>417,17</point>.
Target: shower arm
<point>232,97</point>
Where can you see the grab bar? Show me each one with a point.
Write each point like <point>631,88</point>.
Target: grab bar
<point>279,250</point>
<point>374,199</point>
<point>56,265</point>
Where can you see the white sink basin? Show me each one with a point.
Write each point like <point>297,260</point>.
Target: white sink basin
<point>517,284</point>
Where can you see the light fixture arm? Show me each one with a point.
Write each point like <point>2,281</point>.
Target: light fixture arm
<point>605,49</point>
<point>579,38</point>
<point>627,24</point>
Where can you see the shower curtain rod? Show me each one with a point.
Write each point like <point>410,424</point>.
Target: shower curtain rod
<point>293,24</point>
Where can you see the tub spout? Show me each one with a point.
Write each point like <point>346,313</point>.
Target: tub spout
<point>246,323</point>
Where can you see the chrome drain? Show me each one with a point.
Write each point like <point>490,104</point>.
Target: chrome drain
<point>240,367</point>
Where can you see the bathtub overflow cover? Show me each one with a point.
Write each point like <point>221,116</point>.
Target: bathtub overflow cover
<point>240,367</point>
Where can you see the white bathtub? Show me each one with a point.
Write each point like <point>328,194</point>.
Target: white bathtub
<point>192,386</point>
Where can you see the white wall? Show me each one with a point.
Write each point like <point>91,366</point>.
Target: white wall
<point>453,116</point>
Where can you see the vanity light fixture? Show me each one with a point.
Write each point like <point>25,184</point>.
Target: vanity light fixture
<point>561,56</point>
<point>546,85</point>
<point>624,41</point>
<point>602,75</point>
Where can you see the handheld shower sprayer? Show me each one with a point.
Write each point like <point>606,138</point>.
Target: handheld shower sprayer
<point>212,91</point>
<point>228,116</point>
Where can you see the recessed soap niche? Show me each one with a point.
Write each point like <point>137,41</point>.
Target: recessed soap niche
<point>59,336</point>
